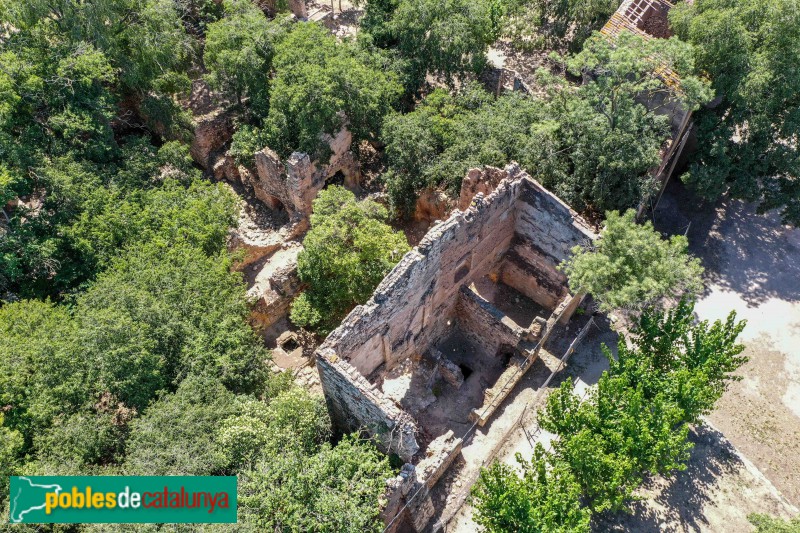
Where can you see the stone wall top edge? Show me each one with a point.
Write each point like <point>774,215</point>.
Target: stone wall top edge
<point>349,373</point>
<point>577,220</point>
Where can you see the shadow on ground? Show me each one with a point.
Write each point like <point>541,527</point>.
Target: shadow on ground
<point>742,251</point>
<point>680,500</point>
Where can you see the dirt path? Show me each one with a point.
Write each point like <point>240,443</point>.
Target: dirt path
<point>753,267</point>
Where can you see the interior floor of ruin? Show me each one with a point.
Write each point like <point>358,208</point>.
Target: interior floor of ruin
<point>515,305</point>
<point>439,406</point>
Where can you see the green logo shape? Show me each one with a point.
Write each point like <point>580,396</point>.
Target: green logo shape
<point>122,499</point>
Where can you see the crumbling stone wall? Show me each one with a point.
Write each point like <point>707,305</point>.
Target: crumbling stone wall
<point>484,325</point>
<point>411,306</point>
<point>545,232</point>
<point>418,300</point>
<point>294,184</point>
<point>439,456</point>
<point>355,404</point>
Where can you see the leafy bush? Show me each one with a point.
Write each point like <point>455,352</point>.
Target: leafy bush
<point>320,86</point>
<point>335,489</point>
<point>631,266</point>
<point>546,498</point>
<point>747,143</point>
<point>348,251</point>
<point>445,38</point>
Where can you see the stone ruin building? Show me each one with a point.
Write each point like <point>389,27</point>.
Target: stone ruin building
<point>648,19</point>
<point>451,330</point>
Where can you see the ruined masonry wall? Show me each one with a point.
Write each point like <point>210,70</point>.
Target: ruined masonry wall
<point>546,230</point>
<point>484,325</point>
<point>355,404</point>
<point>410,308</point>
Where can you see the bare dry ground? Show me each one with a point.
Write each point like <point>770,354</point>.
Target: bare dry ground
<point>753,267</point>
<point>715,493</point>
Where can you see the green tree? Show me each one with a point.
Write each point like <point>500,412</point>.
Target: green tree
<point>446,135</point>
<point>631,267</point>
<point>545,498</point>
<point>690,362</point>
<point>39,375</point>
<point>336,489</point>
<point>348,251</point>
<point>601,139</point>
<point>320,86</point>
<point>82,214</point>
<point>747,143</point>
<point>90,54</point>
<point>238,53</point>
<point>615,437</point>
<point>635,422</point>
<point>559,24</point>
<point>444,38</point>
<point>193,318</point>
<point>178,434</point>
<point>92,440</point>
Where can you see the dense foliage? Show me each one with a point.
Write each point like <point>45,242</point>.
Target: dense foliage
<point>436,144</point>
<point>238,53</point>
<point>768,524</point>
<point>321,85</point>
<point>634,423</point>
<point>600,141</point>
<point>555,24</point>
<point>125,346</point>
<point>546,498</point>
<point>445,38</point>
<point>592,145</point>
<point>303,84</point>
<point>631,267</point>
<point>748,142</point>
<point>348,251</point>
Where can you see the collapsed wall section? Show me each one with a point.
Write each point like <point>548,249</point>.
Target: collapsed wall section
<point>410,310</point>
<point>518,233</point>
<point>293,184</point>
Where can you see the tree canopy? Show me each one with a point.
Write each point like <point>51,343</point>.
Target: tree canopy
<point>348,251</point>
<point>238,53</point>
<point>446,135</point>
<point>631,267</point>
<point>443,38</point>
<point>593,144</point>
<point>632,424</point>
<point>561,24</point>
<point>546,498</point>
<point>748,141</point>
